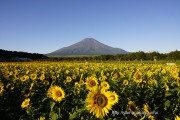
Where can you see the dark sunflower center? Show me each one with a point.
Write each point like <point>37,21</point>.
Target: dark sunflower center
<point>46,83</point>
<point>9,86</point>
<point>81,82</point>
<point>101,100</point>
<point>58,93</point>
<point>26,103</point>
<point>105,85</point>
<point>92,83</point>
<point>138,76</point>
<point>26,91</point>
<point>132,107</point>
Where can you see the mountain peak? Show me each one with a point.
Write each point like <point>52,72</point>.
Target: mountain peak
<point>87,46</point>
<point>88,40</point>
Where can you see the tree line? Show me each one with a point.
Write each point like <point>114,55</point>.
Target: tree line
<point>134,56</point>
<point>6,55</point>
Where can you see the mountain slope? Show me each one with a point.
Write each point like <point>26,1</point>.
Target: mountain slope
<point>88,46</point>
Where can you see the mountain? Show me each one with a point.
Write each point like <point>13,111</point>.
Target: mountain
<point>87,46</point>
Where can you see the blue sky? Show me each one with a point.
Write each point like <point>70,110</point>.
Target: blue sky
<point>43,26</point>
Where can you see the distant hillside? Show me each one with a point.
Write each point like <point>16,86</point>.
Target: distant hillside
<point>88,46</point>
<point>6,55</point>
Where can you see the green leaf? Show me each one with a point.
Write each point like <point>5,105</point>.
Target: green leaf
<point>167,94</point>
<point>166,104</point>
<point>53,116</point>
<point>59,112</point>
<point>44,99</point>
<point>52,104</point>
<point>179,99</point>
<point>76,113</point>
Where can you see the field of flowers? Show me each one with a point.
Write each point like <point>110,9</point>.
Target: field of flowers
<point>79,91</point>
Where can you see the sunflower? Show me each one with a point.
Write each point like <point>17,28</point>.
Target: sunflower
<point>151,117</point>
<point>132,106</point>
<point>91,83</point>
<point>26,92</point>
<point>104,85</point>
<point>46,83</point>
<point>1,87</point>
<point>153,82</point>
<point>98,103</point>
<point>113,97</point>
<point>49,92</point>
<point>178,81</point>
<point>15,77</point>
<point>27,77</point>
<point>175,74</point>
<point>9,86</point>
<point>121,75</point>
<point>68,79</point>
<point>31,86</point>
<point>177,118</point>
<point>74,77</point>
<point>41,118</point>
<point>149,73</point>
<point>114,76</point>
<point>56,93</point>
<point>107,74</point>
<point>137,77</point>
<point>103,78</point>
<point>146,108</point>
<point>67,71</point>
<point>23,78</point>
<point>166,86</point>
<point>11,73</point>
<point>42,77</point>
<point>125,82</point>
<point>33,76</point>
<point>53,77</point>
<point>25,103</point>
<point>76,85</point>
<point>6,75</point>
<point>81,82</point>
<point>163,71</point>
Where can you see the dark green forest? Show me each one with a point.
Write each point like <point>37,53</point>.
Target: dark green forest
<point>20,56</point>
<point>135,56</point>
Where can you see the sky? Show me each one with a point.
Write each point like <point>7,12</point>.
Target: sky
<point>43,26</point>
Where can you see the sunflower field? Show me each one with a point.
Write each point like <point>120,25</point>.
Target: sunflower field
<point>93,91</point>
